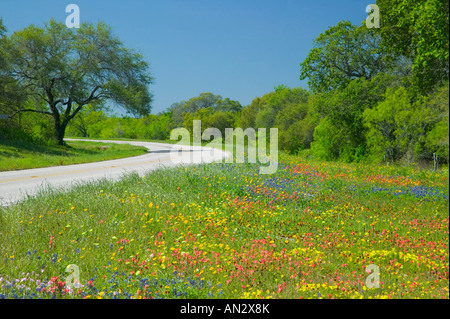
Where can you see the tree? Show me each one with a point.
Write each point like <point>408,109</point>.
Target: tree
<point>247,117</point>
<point>203,101</point>
<point>437,139</point>
<point>295,127</point>
<point>210,119</point>
<point>2,39</point>
<point>228,105</point>
<point>70,69</point>
<point>10,94</point>
<point>419,30</point>
<point>89,122</point>
<point>390,125</point>
<point>412,129</point>
<point>341,131</point>
<point>327,140</point>
<point>262,113</point>
<point>176,109</point>
<point>285,109</point>
<point>156,127</point>
<point>342,53</point>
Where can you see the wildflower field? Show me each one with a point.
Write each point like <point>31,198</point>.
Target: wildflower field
<point>226,231</point>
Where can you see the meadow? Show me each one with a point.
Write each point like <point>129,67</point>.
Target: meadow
<point>226,231</point>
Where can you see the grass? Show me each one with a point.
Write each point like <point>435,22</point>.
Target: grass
<point>23,155</point>
<point>124,139</point>
<point>225,231</point>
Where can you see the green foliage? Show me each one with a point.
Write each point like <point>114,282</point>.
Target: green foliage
<point>69,69</point>
<point>285,109</point>
<point>28,127</point>
<point>266,117</point>
<point>438,136</point>
<point>389,125</point>
<point>295,129</point>
<point>96,124</point>
<point>214,103</point>
<point>327,140</point>
<point>341,135</point>
<point>342,53</point>
<point>265,112</point>
<point>291,114</point>
<point>351,67</point>
<point>10,93</point>
<point>210,119</point>
<point>419,30</point>
<point>298,136</point>
<point>155,127</point>
<point>2,27</point>
<point>403,128</point>
<point>374,95</point>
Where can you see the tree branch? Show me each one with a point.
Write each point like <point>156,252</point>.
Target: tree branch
<point>30,110</point>
<point>91,96</point>
<point>78,109</point>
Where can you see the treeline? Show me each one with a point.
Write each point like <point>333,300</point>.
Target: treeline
<point>373,94</point>
<point>365,102</point>
<point>375,120</point>
<point>93,122</point>
<point>212,110</point>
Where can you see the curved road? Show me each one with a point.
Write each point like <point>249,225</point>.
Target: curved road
<point>16,185</point>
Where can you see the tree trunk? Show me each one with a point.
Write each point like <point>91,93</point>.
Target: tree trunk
<point>60,129</point>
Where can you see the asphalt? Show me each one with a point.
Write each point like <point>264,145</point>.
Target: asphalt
<point>18,185</point>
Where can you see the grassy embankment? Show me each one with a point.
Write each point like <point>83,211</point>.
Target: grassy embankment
<point>17,155</point>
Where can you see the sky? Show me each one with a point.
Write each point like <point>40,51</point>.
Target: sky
<point>240,49</point>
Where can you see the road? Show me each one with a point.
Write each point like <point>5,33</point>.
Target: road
<point>17,185</point>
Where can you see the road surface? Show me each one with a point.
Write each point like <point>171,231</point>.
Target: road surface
<point>16,185</point>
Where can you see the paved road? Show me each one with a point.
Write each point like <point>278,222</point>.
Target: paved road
<point>16,185</point>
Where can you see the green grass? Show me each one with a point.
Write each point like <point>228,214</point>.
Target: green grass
<point>16,155</point>
<point>226,231</point>
<point>124,139</point>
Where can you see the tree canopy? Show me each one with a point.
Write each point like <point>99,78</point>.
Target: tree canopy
<point>205,100</point>
<point>342,53</point>
<point>419,30</point>
<point>10,93</point>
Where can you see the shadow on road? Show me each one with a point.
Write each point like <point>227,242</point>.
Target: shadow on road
<point>174,151</point>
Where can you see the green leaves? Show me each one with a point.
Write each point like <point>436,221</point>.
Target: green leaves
<point>342,53</point>
<point>342,134</point>
<point>419,30</point>
<point>69,69</point>
<point>400,127</point>
<point>202,107</point>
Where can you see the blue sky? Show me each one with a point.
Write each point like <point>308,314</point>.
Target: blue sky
<point>239,49</point>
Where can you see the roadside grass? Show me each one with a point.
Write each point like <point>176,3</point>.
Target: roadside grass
<point>122,139</point>
<point>226,231</point>
<point>17,155</point>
